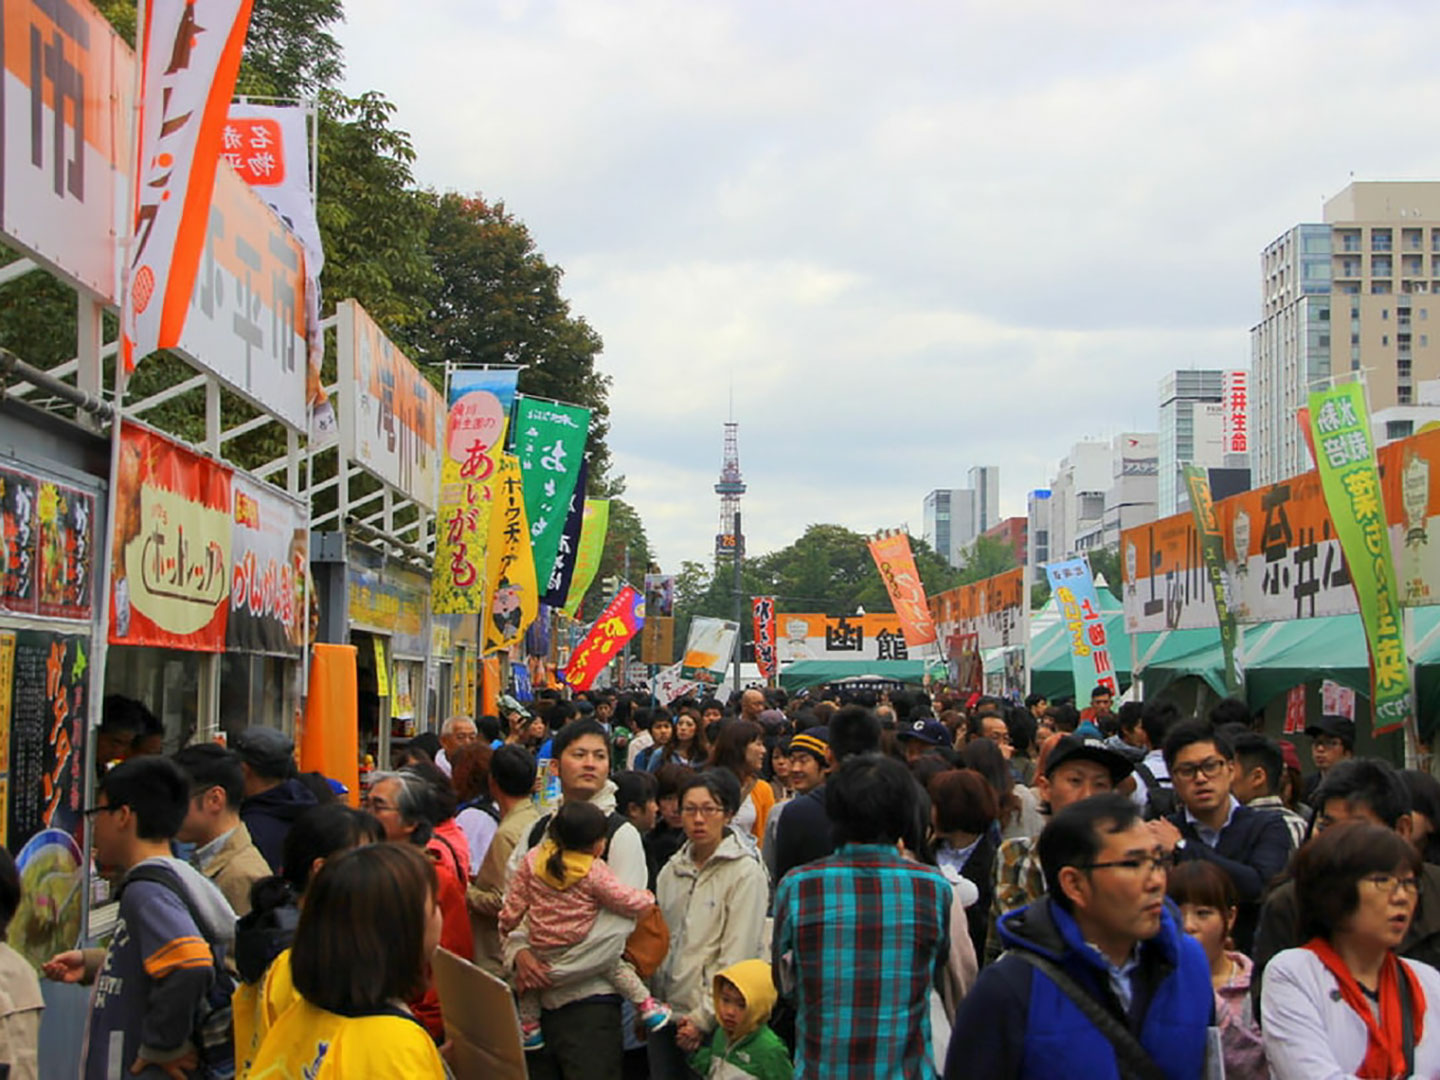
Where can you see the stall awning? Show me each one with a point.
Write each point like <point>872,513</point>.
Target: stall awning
<point>804,673</point>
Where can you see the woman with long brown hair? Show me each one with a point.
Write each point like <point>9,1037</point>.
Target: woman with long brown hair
<point>740,750</point>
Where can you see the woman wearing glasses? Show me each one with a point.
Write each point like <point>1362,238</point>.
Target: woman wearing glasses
<point>1344,1004</point>
<point>713,894</point>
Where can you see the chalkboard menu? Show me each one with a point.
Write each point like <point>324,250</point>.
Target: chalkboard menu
<point>41,748</point>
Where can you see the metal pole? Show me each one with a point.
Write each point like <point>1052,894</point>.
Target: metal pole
<point>735,681</point>
<point>624,673</point>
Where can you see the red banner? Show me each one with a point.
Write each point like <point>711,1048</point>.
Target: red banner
<point>764,613</point>
<point>170,568</point>
<point>618,623</point>
<point>896,564</point>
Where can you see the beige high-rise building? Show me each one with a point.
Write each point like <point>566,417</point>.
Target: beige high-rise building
<point>1359,292</point>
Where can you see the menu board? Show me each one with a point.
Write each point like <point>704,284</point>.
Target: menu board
<point>48,533</point>
<point>48,703</point>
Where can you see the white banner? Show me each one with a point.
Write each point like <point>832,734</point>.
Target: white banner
<point>670,685</point>
<point>192,55</point>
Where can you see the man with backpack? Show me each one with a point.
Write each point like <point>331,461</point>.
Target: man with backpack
<point>160,1005</point>
<point>1098,978</point>
<point>581,1024</point>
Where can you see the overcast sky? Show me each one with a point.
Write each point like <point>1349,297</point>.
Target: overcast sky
<point>913,237</point>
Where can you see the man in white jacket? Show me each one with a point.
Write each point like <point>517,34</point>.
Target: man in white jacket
<point>581,1021</point>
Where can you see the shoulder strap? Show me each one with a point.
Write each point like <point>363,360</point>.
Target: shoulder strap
<point>157,875</point>
<point>461,872</point>
<point>613,824</point>
<point>1133,1060</point>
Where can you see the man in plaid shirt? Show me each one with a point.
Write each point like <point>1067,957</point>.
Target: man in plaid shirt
<point>862,936</point>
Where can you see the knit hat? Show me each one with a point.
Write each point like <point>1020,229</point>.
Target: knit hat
<point>815,740</point>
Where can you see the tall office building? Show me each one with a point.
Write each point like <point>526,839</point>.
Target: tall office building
<point>954,517</point>
<point>1351,294</point>
<point>1204,421</point>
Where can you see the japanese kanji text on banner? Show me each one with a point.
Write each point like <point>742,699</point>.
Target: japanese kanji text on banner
<point>1212,547</point>
<point>1074,589</point>
<point>1340,424</point>
<point>475,429</point>
<point>896,564</point>
<point>618,623</point>
<point>190,59</point>
<point>764,630</point>
<point>513,600</point>
<point>550,443</point>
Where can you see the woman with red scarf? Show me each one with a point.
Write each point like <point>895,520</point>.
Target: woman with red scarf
<point>1344,1004</point>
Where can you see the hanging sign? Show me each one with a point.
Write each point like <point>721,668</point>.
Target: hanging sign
<point>170,566</point>
<point>994,610</point>
<point>1345,458</point>
<point>708,649</point>
<point>593,527</point>
<point>513,600</point>
<point>189,61</point>
<point>896,564</point>
<point>838,637</point>
<point>763,617</point>
<point>563,572</point>
<point>618,623</point>
<point>270,547</point>
<point>550,443</point>
<point>476,423</point>
<point>1212,548</point>
<point>1074,590</point>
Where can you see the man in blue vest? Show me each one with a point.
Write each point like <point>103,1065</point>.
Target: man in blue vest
<point>1098,972</point>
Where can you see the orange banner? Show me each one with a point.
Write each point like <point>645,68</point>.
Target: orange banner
<point>993,609</point>
<point>896,564</point>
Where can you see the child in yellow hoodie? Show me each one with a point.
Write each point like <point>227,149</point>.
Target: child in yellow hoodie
<point>558,892</point>
<point>744,1047</point>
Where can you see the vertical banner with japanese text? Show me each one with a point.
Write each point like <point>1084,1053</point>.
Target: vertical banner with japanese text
<point>49,715</point>
<point>476,423</point>
<point>593,527</point>
<point>1350,478</point>
<point>1074,589</point>
<point>896,564</point>
<point>512,598</point>
<point>557,588</point>
<point>268,146</point>
<point>1212,550</point>
<point>190,59</point>
<point>550,443</point>
<point>708,649</point>
<point>763,610</point>
<point>621,620</point>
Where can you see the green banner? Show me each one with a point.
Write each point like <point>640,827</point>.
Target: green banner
<point>1350,478</point>
<point>1212,549</point>
<point>594,525</point>
<point>550,443</point>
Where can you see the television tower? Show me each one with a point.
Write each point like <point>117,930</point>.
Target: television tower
<point>728,541</point>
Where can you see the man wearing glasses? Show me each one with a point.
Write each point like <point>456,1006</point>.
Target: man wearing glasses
<point>1252,846</point>
<point>1097,976</point>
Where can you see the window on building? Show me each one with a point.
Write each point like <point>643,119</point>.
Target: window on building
<point>1402,395</point>
<point>1402,367</point>
<point>1380,239</point>
<point>1424,340</point>
<point>1398,429</point>
<point>1384,339</point>
<point>1385,313</point>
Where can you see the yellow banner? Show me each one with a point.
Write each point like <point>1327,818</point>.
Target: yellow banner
<point>513,601</point>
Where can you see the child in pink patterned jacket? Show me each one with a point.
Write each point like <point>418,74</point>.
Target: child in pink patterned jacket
<point>558,891</point>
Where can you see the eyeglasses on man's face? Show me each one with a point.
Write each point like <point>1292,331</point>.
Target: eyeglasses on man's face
<point>1142,864</point>
<point>1210,767</point>
<point>701,811</point>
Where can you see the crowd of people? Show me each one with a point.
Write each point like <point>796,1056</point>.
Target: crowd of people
<point>902,885</point>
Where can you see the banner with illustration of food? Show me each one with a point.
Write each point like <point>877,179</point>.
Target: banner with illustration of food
<point>270,545</point>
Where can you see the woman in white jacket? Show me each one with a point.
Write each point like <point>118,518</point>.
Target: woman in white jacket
<point>713,894</point>
<point>1344,1004</point>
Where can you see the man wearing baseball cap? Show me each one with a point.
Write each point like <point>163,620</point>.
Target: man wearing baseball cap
<point>1332,740</point>
<point>273,797</point>
<point>1075,769</point>
<point>922,735</point>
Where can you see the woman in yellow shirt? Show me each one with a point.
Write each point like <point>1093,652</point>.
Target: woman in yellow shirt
<point>370,924</point>
<point>263,937</point>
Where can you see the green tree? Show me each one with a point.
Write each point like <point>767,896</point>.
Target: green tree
<point>626,533</point>
<point>1106,561</point>
<point>289,50</point>
<point>498,301</point>
<point>985,558</point>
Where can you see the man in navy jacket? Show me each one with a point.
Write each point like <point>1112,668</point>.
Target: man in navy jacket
<point>1252,846</point>
<point>1107,925</point>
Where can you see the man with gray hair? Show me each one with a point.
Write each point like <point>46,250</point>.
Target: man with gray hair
<point>456,732</point>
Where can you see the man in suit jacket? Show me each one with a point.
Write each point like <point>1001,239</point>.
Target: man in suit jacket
<point>1252,846</point>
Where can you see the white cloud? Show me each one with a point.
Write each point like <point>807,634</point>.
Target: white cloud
<point>916,236</point>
